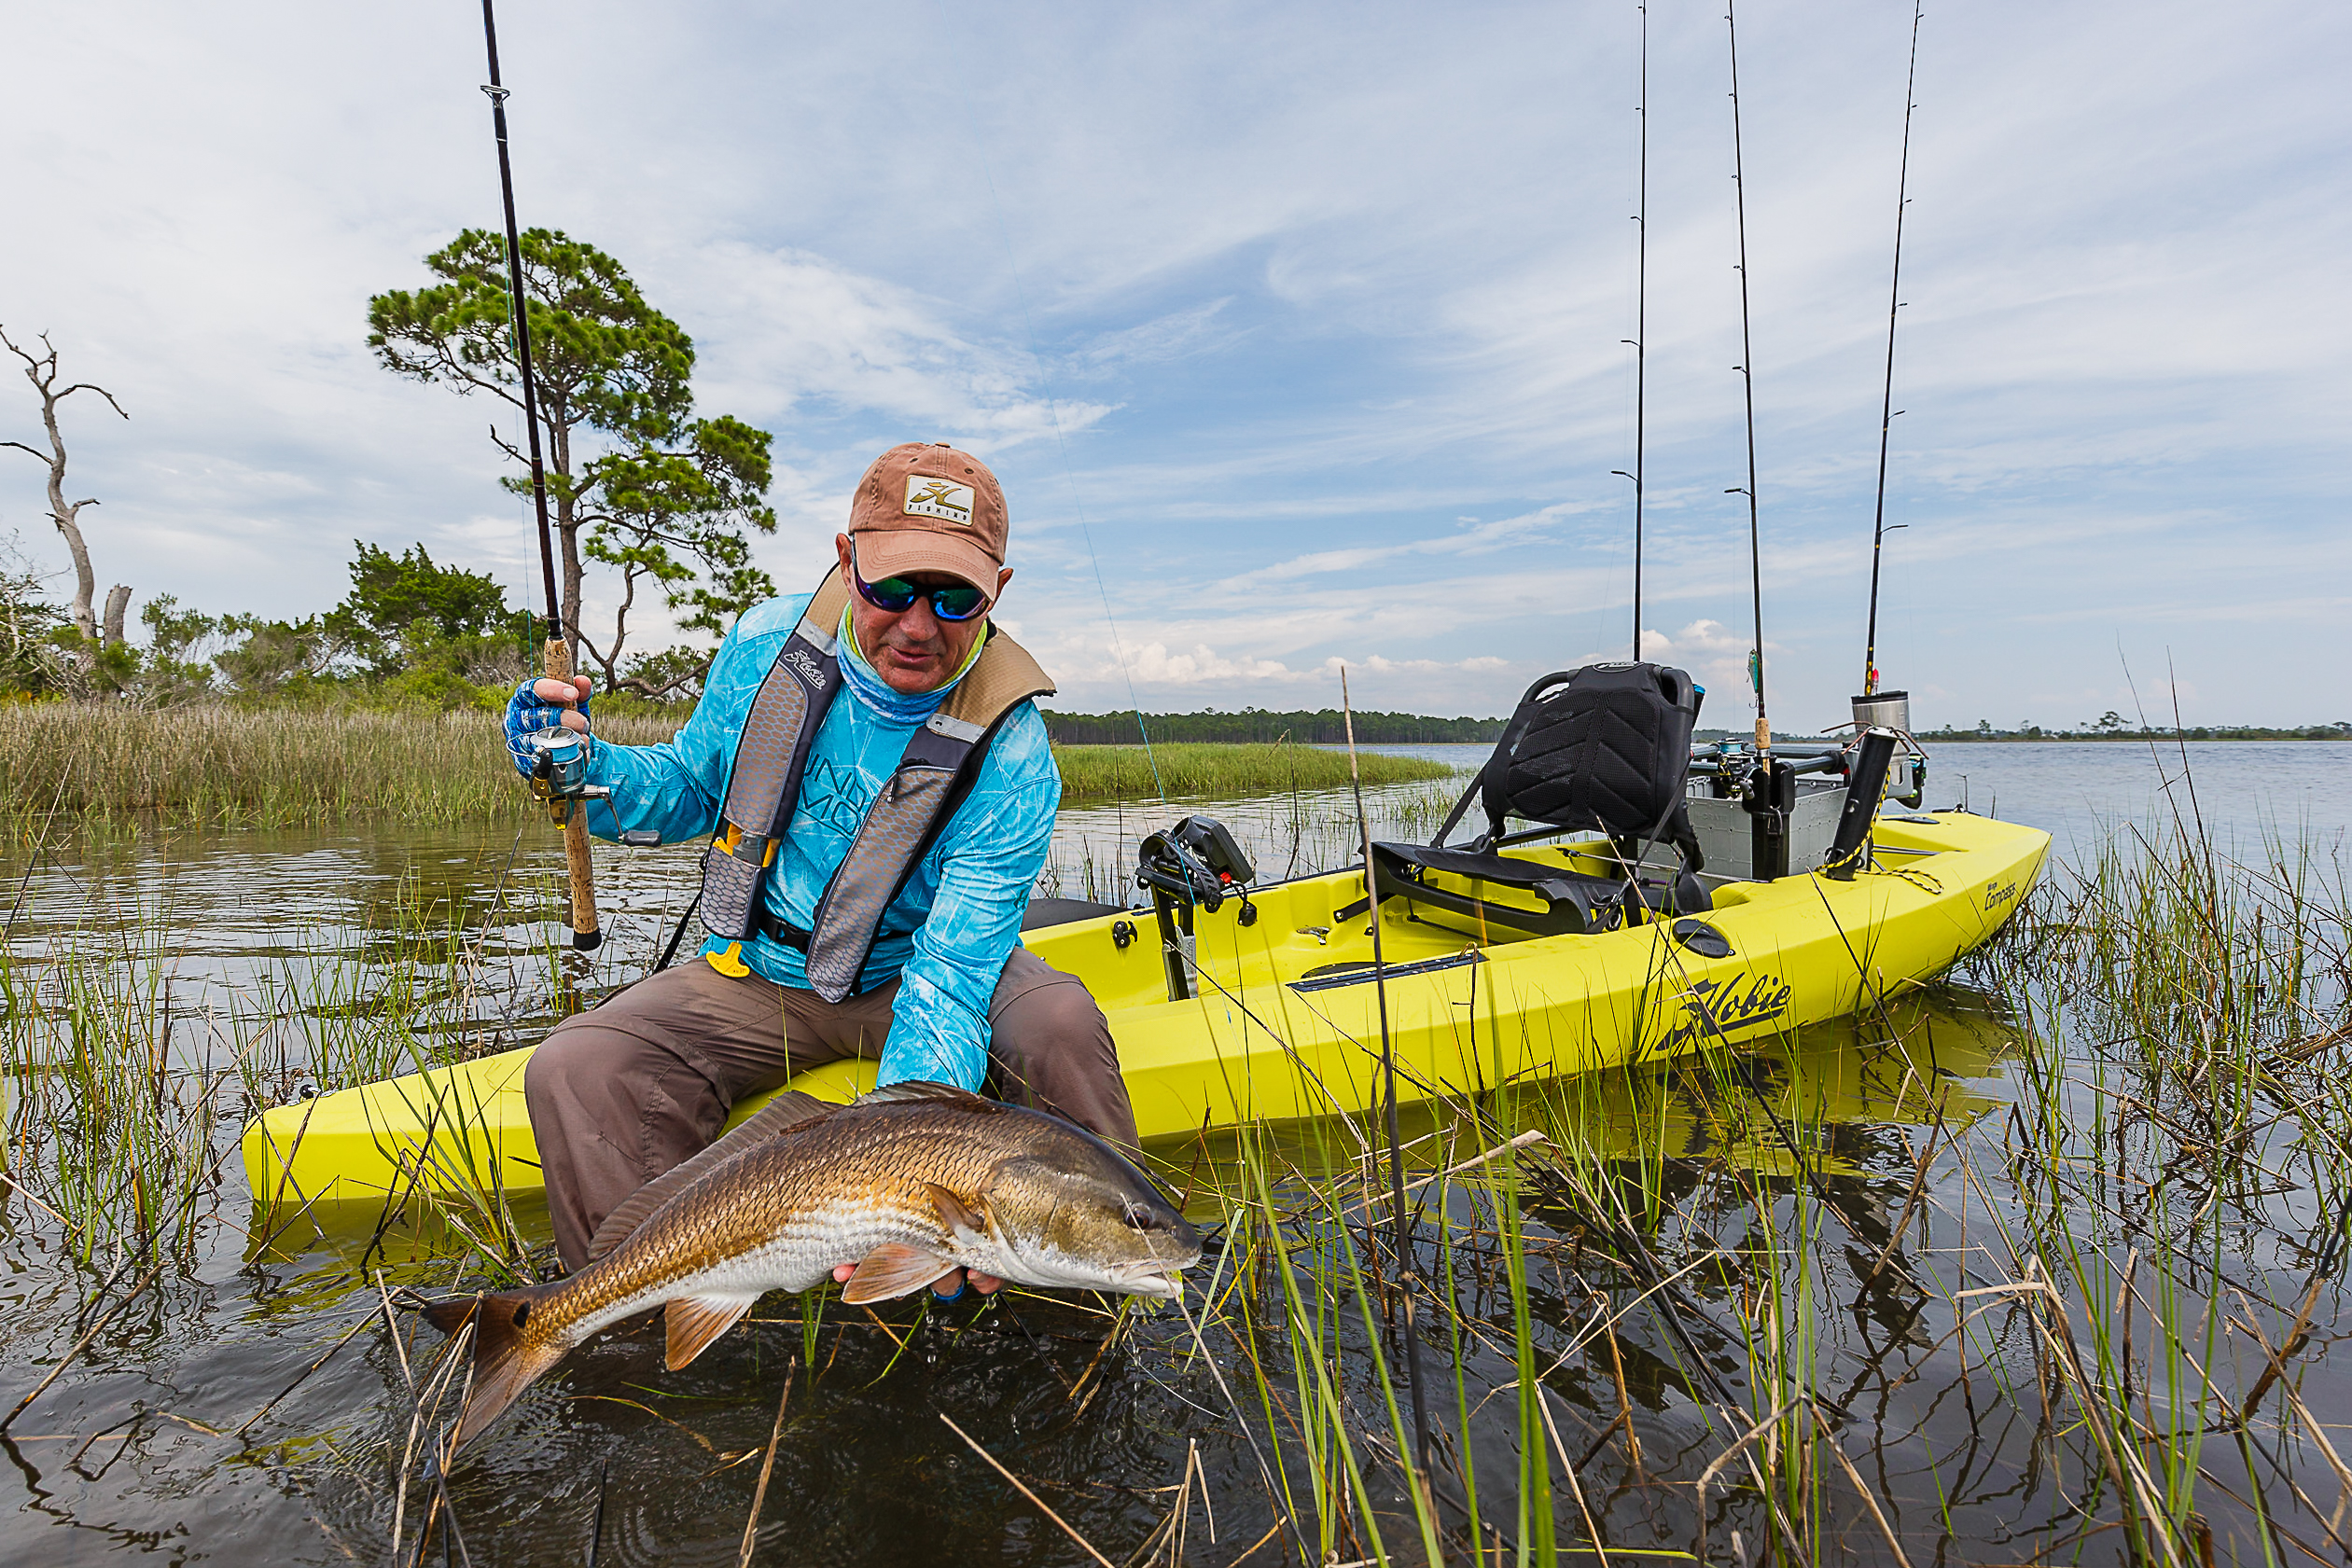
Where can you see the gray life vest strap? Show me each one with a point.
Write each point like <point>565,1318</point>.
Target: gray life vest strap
<point>900,825</point>
<point>763,785</point>
<point>933,775</point>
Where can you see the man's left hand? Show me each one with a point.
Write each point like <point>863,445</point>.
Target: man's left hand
<point>987,1284</point>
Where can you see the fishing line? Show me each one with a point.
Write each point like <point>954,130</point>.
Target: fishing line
<point>1886,407</point>
<point>1061,442</point>
<point>1747,382</point>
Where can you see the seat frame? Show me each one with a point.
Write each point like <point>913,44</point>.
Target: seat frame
<point>1576,903</point>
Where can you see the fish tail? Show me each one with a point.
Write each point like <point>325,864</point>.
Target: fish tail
<point>508,1358</point>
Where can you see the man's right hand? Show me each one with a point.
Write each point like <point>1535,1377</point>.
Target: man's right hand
<point>543,704</point>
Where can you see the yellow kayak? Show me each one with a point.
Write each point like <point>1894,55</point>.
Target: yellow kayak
<point>1286,1023</point>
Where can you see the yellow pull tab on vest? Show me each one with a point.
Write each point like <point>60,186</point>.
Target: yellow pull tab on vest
<point>729,962</point>
<point>730,836</point>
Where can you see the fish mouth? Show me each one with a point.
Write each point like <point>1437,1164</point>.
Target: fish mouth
<point>1152,1279</point>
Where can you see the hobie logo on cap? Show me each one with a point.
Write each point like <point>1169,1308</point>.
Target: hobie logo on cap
<point>930,497</point>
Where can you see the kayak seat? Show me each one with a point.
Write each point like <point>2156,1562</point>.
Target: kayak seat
<point>1574,902</point>
<point>1603,748</point>
<point>1061,911</point>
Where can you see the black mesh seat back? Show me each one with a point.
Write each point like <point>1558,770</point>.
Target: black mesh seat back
<point>1605,747</point>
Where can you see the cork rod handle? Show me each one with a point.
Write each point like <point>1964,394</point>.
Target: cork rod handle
<point>556,661</point>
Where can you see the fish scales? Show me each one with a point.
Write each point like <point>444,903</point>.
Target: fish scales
<point>907,1186</point>
<point>801,1204</point>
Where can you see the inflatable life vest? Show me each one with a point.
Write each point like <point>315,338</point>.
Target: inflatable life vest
<point>921,794</point>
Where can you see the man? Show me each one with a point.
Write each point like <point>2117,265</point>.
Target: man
<point>874,844</point>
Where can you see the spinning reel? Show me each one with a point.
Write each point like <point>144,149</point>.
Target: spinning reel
<point>559,771</point>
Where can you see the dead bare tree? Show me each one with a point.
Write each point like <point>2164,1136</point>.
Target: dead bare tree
<point>41,371</point>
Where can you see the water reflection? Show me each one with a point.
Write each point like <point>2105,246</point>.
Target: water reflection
<point>260,1398</point>
<point>1700,1238</point>
<point>292,912</point>
<point>672,1454</point>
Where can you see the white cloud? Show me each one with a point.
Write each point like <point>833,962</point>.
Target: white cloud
<point>1092,670</point>
<point>1178,334</point>
<point>1282,302</point>
<point>1474,539</point>
<point>804,333</point>
<point>1713,655</point>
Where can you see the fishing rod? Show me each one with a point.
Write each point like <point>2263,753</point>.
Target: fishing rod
<point>556,653</point>
<point>1640,339</point>
<point>1748,381</point>
<point>1887,409</point>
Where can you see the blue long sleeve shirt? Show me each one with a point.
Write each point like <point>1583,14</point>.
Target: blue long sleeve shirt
<point>947,935</point>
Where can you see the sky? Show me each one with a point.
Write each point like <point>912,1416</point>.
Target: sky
<point>1296,335</point>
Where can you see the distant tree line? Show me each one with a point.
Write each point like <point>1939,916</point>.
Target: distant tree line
<point>1324,727</point>
<point>2112,726</point>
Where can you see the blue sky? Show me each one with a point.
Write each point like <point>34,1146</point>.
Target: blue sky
<point>1299,325</point>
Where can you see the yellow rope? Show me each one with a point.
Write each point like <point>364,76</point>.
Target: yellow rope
<point>1910,874</point>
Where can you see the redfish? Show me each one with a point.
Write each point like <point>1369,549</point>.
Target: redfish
<point>908,1185</point>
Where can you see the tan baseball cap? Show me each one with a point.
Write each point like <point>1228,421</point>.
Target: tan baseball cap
<point>929,508</point>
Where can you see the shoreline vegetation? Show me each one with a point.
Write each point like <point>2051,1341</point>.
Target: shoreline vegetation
<point>1322,727</point>
<point>1327,727</point>
<point>285,767</point>
<point>2049,1255</point>
<point>2113,727</point>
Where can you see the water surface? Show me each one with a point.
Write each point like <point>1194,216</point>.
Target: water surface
<point>254,1404</point>
<point>2078,790</point>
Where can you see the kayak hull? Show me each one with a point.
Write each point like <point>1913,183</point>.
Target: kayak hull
<point>1289,1021</point>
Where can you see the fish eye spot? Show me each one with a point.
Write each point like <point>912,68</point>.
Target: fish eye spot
<point>522,1314</point>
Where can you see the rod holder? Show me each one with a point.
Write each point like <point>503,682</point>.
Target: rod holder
<point>1883,710</point>
<point>1850,850</point>
<point>1769,797</point>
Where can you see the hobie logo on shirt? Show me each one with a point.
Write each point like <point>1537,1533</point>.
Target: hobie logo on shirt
<point>930,497</point>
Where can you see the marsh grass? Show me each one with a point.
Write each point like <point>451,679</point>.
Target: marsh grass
<point>125,1099</point>
<point>1706,1317</point>
<point>265,767</point>
<point>109,1130</point>
<point>2044,1269</point>
<point>1205,770</point>
<point>287,767</point>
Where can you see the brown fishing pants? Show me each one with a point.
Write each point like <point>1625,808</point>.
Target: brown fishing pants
<point>620,1095</point>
